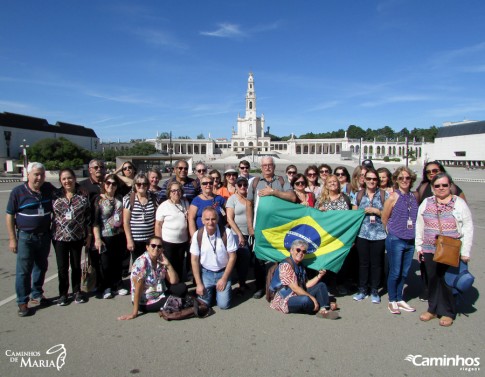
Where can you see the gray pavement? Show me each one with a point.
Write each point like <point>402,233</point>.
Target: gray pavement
<point>248,340</point>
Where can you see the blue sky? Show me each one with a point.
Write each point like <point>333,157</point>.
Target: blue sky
<point>128,69</point>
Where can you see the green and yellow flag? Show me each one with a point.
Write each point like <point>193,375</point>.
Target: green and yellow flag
<point>330,235</point>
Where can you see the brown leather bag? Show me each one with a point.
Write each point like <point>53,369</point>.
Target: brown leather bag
<point>447,248</point>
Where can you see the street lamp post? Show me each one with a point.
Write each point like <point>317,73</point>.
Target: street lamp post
<point>24,147</point>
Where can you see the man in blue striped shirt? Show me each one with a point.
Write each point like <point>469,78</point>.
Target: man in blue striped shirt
<point>28,224</point>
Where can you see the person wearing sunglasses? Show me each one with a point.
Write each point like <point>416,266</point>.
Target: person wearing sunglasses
<point>448,214</point>
<point>311,174</point>
<point>150,274</point>
<point>217,178</point>
<point>213,257</point>
<point>370,241</point>
<point>205,199</point>
<point>229,185</point>
<point>430,170</point>
<point>297,293</point>
<point>399,218</point>
<point>343,176</point>
<point>290,171</point>
<point>244,169</point>
<point>324,170</point>
<point>109,238</point>
<point>191,188</point>
<point>240,218</point>
<point>139,208</point>
<point>172,226</point>
<point>299,183</point>
<point>126,173</point>
<point>200,170</point>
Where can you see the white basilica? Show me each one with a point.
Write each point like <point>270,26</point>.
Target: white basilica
<point>249,139</point>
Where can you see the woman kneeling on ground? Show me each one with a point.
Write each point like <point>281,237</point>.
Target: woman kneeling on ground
<point>149,275</point>
<point>298,295</point>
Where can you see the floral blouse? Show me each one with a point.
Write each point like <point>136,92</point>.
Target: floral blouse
<point>154,279</point>
<point>372,230</point>
<point>108,215</point>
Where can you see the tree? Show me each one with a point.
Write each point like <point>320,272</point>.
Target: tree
<point>200,137</point>
<point>163,135</point>
<point>142,149</point>
<point>355,132</point>
<point>59,154</point>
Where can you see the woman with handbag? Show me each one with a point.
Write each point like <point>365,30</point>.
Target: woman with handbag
<point>399,218</point>
<point>442,215</point>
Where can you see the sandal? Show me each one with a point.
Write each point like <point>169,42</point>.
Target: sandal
<point>446,321</point>
<point>427,316</point>
<point>327,314</point>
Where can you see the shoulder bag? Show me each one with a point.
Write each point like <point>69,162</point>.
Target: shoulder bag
<point>447,248</point>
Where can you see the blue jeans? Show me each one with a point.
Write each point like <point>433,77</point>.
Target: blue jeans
<point>210,279</point>
<point>400,256</point>
<point>32,253</point>
<point>304,304</point>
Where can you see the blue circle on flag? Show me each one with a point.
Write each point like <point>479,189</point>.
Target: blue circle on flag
<point>306,233</point>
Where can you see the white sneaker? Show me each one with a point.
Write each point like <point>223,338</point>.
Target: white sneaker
<point>122,292</point>
<point>107,293</point>
<point>393,308</point>
<point>403,305</point>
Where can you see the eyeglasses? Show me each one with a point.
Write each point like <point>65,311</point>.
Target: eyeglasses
<point>97,167</point>
<point>267,166</point>
<point>175,191</point>
<point>311,174</point>
<point>242,185</point>
<point>182,168</point>
<point>371,179</point>
<point>128,168</point>
<point>291,172</point>
<point>244,167</point>
<point>141,184</point>
<point>215,178</point>
<point>402,178</point>
<point>110,183</point>
<point>156,246</point>
<point>201,170</point>
<point>340,174</point>
<point>206,183</point>
<point>324,171</point>
<point>298,250</point>
<point>300,183</point>
<point>434,171</point>
<point>444,185</point>
<point>231,174</point>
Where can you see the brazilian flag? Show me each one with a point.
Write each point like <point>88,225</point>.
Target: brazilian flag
<point>330,234</point>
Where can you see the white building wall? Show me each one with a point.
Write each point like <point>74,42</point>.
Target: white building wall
<point>444,148</point>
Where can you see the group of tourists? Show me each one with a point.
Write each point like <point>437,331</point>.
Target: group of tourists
<point>202,229</point>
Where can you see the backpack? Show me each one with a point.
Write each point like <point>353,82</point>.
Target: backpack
<point>273,281</point>
<point>222,230</point>
<point>361,193</point>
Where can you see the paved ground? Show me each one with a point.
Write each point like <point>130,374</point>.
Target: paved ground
<point>248,340</point>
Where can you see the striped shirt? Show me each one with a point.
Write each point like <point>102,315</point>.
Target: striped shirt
<point>405,209</point>
<point>32,210</point>
<point>142,218</point>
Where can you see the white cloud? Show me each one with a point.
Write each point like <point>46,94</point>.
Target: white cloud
<point>160,38</point>
<point>396,99</point>
<point>226,30</point>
